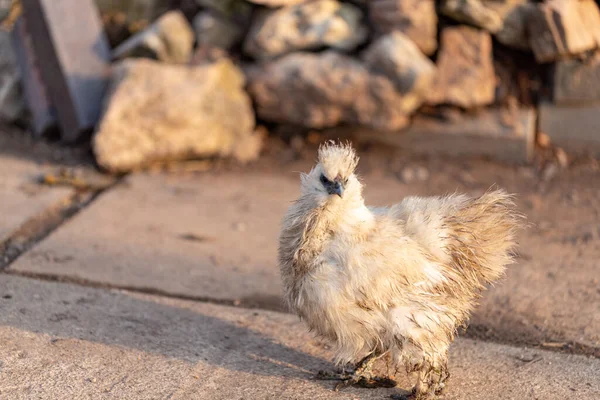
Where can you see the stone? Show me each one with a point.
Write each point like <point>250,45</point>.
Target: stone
<point>324,90</point>
<point>170,39</point>
<point>411,174</point>
<point>67,341</point>
<point>559,28</point>
<point>473,12</point>
<point>215,31</point>
<point>22,198</point>
<point>572,127</point>
<point>313,25</point>
<point>415,18</point>
<point>502,135</point>
<point>160,112</point>
<point>42,115</point>
<point>465,67</point>
<point>12,104</point>
<point>515,30</point>
<point>73,60</point>
<point>399,59</point>
<point>577,81</point>
<point>506,19</point>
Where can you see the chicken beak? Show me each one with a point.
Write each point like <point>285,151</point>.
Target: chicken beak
<point>338,189</point>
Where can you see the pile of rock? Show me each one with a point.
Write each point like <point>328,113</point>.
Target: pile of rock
<point>187,77</point>
<point>377,64</point>
<point>142,102</point>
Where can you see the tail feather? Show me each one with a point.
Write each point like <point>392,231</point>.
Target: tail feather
<point>483,236</point>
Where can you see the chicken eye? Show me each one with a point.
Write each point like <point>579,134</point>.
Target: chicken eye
<point>324,180</point>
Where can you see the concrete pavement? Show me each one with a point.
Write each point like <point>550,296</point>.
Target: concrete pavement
<point>21,198</point>
<point>65,341</point>
<point>212,238</point>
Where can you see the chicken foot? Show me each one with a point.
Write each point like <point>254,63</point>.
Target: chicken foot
<point>431,382</point>
<point>362,376</point>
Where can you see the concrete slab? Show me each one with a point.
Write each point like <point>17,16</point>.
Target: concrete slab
<point>572,127</point>
<point>42,113</point>
<point>64,341</point>
<point>213,236</point>
<point>74,61</point>
<point>502,135</point>
<point>21,198</point>
<point>553,293</point>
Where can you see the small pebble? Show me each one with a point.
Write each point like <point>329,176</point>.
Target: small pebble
<point>239,226</point>
<point>407,175</point>
<point>550,172</point>
<point>543,140</point>
<point>414,174</point>
<point>562,158</point>
<point>422,174</point>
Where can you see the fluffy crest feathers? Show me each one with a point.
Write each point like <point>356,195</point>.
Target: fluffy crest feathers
<point>337,159</point>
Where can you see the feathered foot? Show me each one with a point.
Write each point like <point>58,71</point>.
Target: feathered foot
<point>432,381</point>
<point>362,376</point>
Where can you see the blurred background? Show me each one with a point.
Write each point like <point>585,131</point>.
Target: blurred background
<point>153,145</point>
<point>147,81</point>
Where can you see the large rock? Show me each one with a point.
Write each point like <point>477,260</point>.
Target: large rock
<point>12,104</point>
<point>465,69</point>
<point>169,39</point>
<point>322,23</point>
<point>164,112</point>
<point>415,18</point>
<point>398,58</point>
<point>212,30</point>
<point>506,19</point>
<point>559,28</point>
<point>324,90</point>
<point>515,32</point>
<point>473,12</point>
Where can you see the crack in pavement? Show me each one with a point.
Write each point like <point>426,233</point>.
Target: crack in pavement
<point>42,225</point>
<point>243,303</point>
